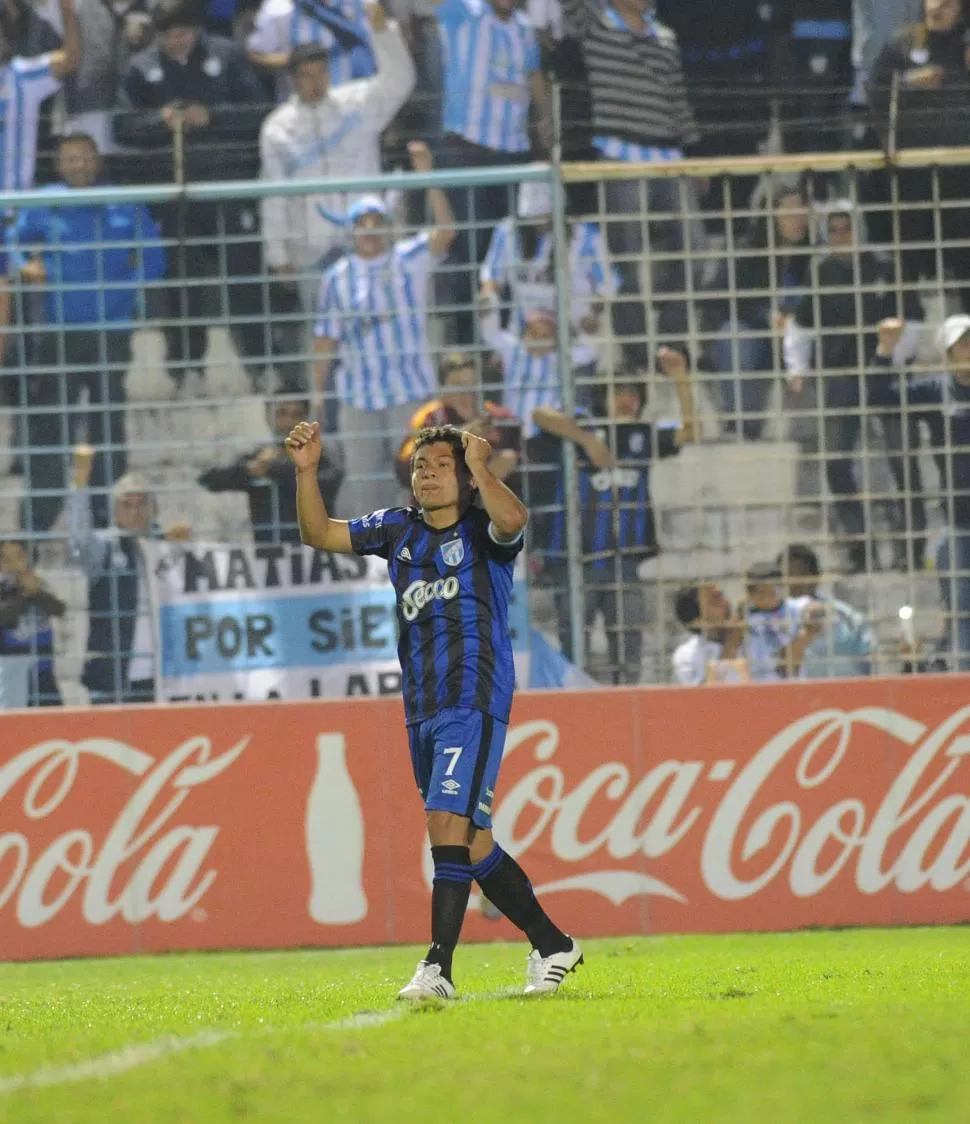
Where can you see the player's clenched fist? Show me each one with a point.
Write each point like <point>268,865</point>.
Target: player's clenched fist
<point>303,445</point>
<point>477,450</point>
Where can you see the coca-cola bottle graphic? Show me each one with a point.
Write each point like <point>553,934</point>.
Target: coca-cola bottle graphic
<point>335,838</point>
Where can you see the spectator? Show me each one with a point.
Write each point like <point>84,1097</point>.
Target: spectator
<point>110,35</point>
<point>530,361</point>
<point>855,292</point>
<point>816,68</point>
<point>492,76</point>
<point>265,474</point>
<point>232,19</point>
<point>28,82</point>
<point>26,607</point>
<point>730,54</point>
<point>418,20</point>
<point>874,25</point>
<point>619,534</point>
<point>929,60</point>
<point>321,133</point>
<point>120,667</point>
<point>91,262</point>
<point>713,652</point>
<point>520,264</point>
<point>773,262</point>
<point>844,646</point>
<point>777,632</point>
<point>458,405</point>
<point>343,28</point>
<point>36,26</point>
<point>562,55</point>
<point>373,317</point>
<point>200,87</point>
<point>641,113</point>
<point>953,556</point>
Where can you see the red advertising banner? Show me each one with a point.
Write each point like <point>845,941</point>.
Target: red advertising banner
<point>634,811</point>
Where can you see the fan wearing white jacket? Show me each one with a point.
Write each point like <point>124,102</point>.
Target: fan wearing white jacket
<point>321,133</point>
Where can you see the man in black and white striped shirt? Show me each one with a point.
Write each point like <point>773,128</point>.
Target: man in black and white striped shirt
<point>641,114</point>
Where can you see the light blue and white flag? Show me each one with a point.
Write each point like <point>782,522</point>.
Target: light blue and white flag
<point>258,622</point>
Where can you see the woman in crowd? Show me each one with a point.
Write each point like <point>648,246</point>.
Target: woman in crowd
<point>770,268</point>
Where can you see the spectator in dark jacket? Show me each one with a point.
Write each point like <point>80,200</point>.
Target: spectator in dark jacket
<point>26,608</point>
<point>203,88</point>
<point>769,268</point>
<point>855,291</point>
<point>266,476</point>
<point>929,61</point>
<point>121,650</point>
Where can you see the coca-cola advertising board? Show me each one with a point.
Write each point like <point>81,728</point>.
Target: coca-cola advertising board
<point>634,811</point>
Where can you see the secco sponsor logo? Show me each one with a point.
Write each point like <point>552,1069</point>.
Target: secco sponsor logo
<point>418,594</point>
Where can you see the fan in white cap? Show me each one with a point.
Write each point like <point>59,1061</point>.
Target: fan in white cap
<point>953,329</point>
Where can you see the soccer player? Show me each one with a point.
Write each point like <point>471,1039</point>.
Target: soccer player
<point>450,560</point>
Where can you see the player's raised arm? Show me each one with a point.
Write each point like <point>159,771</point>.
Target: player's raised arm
<point>317,529</point>
<point>508,514</point>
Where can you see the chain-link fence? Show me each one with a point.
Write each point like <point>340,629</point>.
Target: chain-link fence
<point>740,438</point>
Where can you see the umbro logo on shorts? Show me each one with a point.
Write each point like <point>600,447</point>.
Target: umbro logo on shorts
<point>450,786</point>
<point>405,555</point>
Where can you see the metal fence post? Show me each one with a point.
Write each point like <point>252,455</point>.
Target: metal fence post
<point>573,520</point>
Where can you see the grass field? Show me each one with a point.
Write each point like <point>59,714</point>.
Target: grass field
<point>829,1027</point>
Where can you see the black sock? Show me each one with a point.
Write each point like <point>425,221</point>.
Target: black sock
<point>507,887</point>
<point>449,900</point>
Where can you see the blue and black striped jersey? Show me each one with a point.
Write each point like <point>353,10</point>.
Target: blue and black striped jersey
<point>453,588</point>
<point>617,511</point>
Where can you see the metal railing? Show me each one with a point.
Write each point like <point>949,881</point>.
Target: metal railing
<point>756,469</point>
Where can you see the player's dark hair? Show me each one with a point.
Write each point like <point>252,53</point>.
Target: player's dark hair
<point>804,555</point>
<point>306,52</point>
<point>687,605</point>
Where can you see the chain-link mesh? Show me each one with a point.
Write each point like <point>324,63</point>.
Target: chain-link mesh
<point>742,419</point>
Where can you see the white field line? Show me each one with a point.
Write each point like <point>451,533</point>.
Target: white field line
<point>118,1062</point>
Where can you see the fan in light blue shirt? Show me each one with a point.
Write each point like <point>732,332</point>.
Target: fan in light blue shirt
<point>490,56</point>
<point>844,647</point>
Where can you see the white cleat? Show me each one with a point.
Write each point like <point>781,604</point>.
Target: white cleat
<point>427,983</point>
<point>544,974</point>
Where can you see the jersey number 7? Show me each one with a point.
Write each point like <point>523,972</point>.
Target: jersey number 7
<point>454,753</point>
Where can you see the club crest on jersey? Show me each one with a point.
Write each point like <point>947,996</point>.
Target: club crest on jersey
<point>453,552</point>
